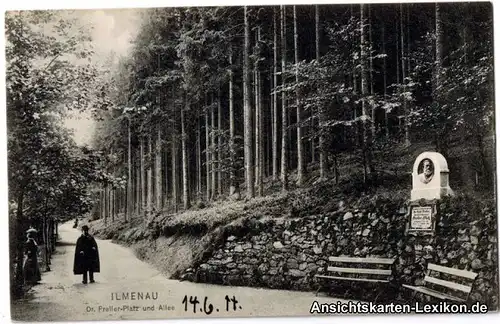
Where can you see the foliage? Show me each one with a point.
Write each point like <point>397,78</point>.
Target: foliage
<point>47,75</point>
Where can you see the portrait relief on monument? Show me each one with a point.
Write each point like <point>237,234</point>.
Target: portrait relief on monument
<point>426,171</point>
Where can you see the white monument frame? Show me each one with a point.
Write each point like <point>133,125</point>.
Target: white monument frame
<point>438,186</point>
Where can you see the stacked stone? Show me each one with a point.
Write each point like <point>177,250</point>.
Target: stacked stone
<point>286,253</point>
<point>468,240</point>
<point>290,251</point>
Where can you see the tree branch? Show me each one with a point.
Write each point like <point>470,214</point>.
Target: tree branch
<point>52,61</point>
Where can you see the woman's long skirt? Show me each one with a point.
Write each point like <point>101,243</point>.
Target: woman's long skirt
<point>31,270</point>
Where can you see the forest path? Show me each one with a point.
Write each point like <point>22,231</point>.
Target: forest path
<point>61,296</point>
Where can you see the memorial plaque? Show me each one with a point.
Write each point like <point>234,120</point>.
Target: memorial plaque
<point>421,218</point>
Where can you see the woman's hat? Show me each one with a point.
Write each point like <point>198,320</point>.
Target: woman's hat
<point>85,228</point>
<point>31,230</point>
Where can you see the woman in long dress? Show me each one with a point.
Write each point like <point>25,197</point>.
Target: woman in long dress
<point>30,268</point>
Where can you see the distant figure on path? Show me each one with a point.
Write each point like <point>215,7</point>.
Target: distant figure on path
<point>31,269</point>
<point>86,256</point>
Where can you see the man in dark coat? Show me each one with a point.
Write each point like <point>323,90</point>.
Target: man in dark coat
<point>86,256</point>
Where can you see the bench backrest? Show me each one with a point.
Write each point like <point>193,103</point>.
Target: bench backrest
<point>366,269</point>
<point>451,281</point>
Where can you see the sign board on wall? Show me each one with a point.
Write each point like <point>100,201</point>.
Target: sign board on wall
<point>422,217</point>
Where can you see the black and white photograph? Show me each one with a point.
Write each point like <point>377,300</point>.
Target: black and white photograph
<point>273,160</point>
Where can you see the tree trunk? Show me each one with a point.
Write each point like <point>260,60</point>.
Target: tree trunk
<point>106,208</point>
<point>213,150</point>
<point>364,92</point>
<point>258,121</point>
<point>403,72</point>
<point>256,124</point>
<point>118,201</point>
<point>130,194</point>
<point>158,175</point>
<point>108,204</point>
<point>198,158</point>
<point>300,154</point>
<point>185,178</point>
<point>440,141</point>
<point>284,112</point>
<point>19,239</point>
<point>408,62</point>
<point>364,86</point>
<point>267,122</point>
<point>259,124</point>
<point>175,195</point>
<point>143,180</point>
<point>175,179</point>
<point>149,207</point>
<point>46,243</point>
<point>101,203</point>
<point>439,51</point>
<point>123,203</point>
<point>322,159</point>
<point>398,80</point>
<point>290,134</point>
<point>112,204</point>
<point>249,167</point>
<point>370,46</point>
<point>232,149</point>
<point>165,158</point>
<point>275,99</point>
<point>386,114</point>
<point>355,88</point>
<point>219,144</point>
<point>138,188</point>
<point>51,233</point>
<point>408,67</point>
<point>207,155</point>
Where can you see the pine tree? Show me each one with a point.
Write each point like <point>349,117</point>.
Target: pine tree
<point>300,154</point>
<point>284,110</point>
<point>249,167</point>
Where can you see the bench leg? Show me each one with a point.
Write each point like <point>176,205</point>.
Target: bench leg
<point>413,297</point>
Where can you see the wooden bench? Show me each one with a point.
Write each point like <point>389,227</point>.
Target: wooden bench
<point>371,269</point>
<point>449,289</point>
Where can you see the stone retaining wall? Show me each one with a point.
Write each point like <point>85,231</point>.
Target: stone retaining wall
<point>286,253</point>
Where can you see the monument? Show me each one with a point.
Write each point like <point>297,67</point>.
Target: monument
<point>430,177</point>
<point>429,184</point>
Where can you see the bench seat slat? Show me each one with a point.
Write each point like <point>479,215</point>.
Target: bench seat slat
<point>360,270</point>
<point>351,279</point>
<point>452,271</point>
<point>361,260</point>
<point>448,284</point>
<point>433,293</point>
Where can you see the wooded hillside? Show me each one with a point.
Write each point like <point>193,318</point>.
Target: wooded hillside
<point>217,102</point>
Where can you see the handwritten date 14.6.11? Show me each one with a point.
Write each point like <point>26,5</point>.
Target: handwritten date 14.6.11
<point>193,304</point>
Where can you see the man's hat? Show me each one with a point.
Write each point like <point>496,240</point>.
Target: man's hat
<point>85,228</point>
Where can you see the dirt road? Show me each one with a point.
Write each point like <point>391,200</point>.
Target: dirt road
<point>124,279</point>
